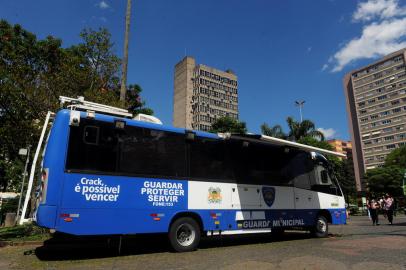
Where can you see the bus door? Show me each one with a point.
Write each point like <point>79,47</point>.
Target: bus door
<point>304,197</point>
<point>302,168</point>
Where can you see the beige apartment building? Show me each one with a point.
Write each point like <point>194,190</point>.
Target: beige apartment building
<point>340,146</point>
<point>376,106</point>
<point>202,94</point>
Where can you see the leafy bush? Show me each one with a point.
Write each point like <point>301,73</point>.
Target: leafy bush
<point>8,206</point>
<point>24,232</point>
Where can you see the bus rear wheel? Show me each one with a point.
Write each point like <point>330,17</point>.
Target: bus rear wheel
<point>184,234</point>
<point>320,229</point>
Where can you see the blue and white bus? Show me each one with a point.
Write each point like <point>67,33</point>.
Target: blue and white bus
<point>109,175</point>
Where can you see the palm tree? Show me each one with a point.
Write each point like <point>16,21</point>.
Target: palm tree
<point>299,130</point>
<point>275,131</point>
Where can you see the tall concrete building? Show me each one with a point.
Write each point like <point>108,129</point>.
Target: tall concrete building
<point>376,106</point>
<point>203,94</point>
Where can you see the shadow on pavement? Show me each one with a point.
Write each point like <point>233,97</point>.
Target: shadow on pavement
<point>64,247</point>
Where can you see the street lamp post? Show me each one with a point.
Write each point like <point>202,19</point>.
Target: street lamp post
<point>23,152</point>
<point>123,88</point>
<point>300,104</point>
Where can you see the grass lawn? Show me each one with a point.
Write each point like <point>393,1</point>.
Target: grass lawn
<point>27,232</point>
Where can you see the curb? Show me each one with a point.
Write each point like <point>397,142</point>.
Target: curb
<point>20,243</point>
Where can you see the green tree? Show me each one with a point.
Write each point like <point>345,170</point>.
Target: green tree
<point>24,95</point>
<point>387,179</point>
<point>228,124</point>
<point>34,73</point>
<point>299,130</point>
<point>136,104</point>
<point>275,131</point>
<point>347,179</point>
<point>397,157</point>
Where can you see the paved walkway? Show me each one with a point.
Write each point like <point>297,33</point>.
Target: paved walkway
<point>358,245</point>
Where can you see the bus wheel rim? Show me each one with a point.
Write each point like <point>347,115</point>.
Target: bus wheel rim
<point>321,225</point>
<point>185,235</point>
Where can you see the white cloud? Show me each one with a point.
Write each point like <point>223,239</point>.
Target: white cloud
<point>103,5</point>
<point>328,132</point>
<point>383,33</point>
<point>372,9</point>
<point>377,39</point>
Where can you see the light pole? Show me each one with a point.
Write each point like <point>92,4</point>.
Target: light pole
<point>123,88</point>
<point>300,103</point>
<point>23,152</point>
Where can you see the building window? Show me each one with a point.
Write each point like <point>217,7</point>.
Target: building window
<point>389,138</point>
<point>396,110</point>
<point>395,102</point>
<point>384,113</point>
<point>388,121</point>
<point>391,146</point>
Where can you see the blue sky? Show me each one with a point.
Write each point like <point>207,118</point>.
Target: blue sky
<point>281,51</point>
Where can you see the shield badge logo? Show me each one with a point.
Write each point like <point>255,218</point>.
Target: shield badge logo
<point>214,195</point>
<point>268,193</point>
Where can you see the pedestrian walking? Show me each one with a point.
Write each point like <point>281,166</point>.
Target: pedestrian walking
<point>381,202</point>
<point>373,210</point>
<point>368,201</point>
<point>388,208</point>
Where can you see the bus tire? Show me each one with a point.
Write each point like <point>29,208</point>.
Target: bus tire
<point>320,229</point>
<point>184,234</point>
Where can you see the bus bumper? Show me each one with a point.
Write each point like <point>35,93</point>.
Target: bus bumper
<point>46,216</point>
<point>338,216</point>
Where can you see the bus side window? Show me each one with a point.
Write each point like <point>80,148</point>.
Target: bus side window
<point>324,177</point>
<point>91,135</point>
<point>299,170</point>
<point>323,182</point>
<point>152,152</point>
<point>209,159</point>
<point>92,147</point>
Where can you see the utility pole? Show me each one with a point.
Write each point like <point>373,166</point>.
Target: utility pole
<point>125,56</point>
<point>300,104</point>
<point>23,152</point>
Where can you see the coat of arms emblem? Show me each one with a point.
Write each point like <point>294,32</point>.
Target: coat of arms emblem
<point>269,195</point>
<point>214,195</point>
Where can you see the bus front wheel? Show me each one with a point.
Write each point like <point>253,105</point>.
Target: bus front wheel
<point>184,234</point>
<point>320,229</point>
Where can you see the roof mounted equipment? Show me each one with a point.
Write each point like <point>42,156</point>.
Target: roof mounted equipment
<point>79,104</point>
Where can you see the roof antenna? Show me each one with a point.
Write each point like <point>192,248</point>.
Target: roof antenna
<point>185,51</point>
